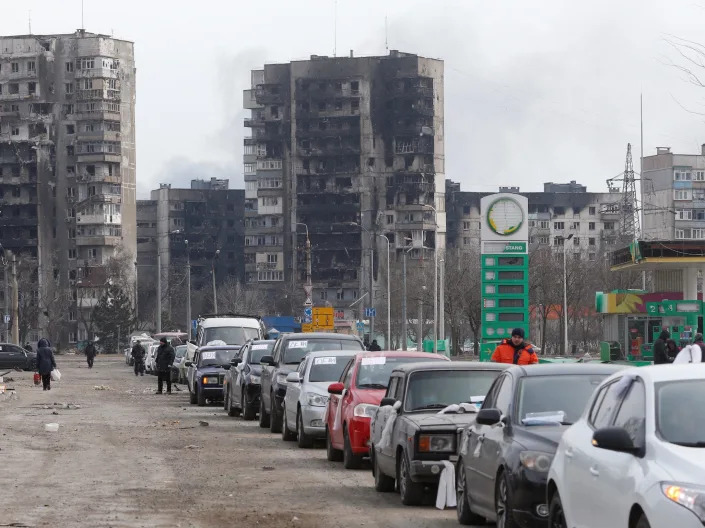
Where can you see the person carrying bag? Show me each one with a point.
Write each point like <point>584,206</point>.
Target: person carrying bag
<point>46,363</point>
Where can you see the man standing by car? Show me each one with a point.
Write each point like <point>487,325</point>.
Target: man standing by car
<point>90,353</point>
<point>515,350</point>
<point>165,358</point>
<point>138,354</point>
<point>660,355</point>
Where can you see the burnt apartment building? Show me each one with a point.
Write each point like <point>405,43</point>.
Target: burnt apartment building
<point>346,149</point>
<point>561,210</point>
<point>207,221</point>
<point>67,167</point>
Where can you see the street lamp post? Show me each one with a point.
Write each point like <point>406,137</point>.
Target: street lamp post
<point>309,285</point>
<point>565,296</point>
<point>215,296</point>
<point>435,278</point>
<point>188,291</point>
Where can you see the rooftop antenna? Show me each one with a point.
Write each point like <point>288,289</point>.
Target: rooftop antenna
<point>29,19</point>
<point>82,24</point>
<point>386,35</point>
<point>335,28</point>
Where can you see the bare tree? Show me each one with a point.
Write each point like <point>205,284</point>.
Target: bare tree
<point>234,297</point>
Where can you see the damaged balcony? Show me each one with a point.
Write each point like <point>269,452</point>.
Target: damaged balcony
<point>413,87</point>
<point>333,203</point>
<point>338,165</point>
<point>332,147</point>
<point>269,94</point>
<point>406,126</point>
<point>324,184</point>
<point>327,128</point>
<point>322,89</point>
<point>413,145</point>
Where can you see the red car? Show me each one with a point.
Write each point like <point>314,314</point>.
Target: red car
<point>354,400</point>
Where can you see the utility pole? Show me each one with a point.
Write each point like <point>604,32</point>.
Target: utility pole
<point>159,292</point>
<point>15,304</point>
<point>419,325</point>
<point>308,288</point>
<point>188,291</point>
<point>404,330</point>
<point>565,296</point>
<point>215,298</point>
<point>441,302</point>
<point>372,293</point>
<point>6,304</point>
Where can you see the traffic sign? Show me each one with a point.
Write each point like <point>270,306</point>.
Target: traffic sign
<point>307,327</point>
<point>308,315</point>
<point>370,312</point>
<point>360,326</point>
<point>323,318</point>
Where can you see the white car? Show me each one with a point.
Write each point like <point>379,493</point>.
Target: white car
<point>150,362</point>
<point>636,458</point>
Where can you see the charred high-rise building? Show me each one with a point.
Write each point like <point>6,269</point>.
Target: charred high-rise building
<point>67,170</point>
<point>346,148</point>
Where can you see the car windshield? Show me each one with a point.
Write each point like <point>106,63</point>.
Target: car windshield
<point>680,413</point>
<point>374,372</point>
<point>437,389</point>
<point>180,351</point>
<point>230,335</point>
<point>555,400</point>
<point>258,351</point>
<point>296,349</point>
<point>216,358</point>
<point>327,368</point>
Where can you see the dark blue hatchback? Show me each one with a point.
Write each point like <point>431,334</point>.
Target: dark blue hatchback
<point>205,373</point>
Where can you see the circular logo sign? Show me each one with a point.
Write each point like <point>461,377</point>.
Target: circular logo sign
<point>505,216</point>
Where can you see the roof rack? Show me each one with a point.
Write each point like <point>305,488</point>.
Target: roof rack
<point>228,314</point>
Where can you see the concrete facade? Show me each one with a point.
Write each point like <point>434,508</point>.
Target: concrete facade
<point>337,142</point>
<point>67,155</point>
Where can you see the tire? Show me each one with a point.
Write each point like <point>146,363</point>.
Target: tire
<point>556,516</point>
<point>226,397</point>
<point>248,411</point>
<point>503,503</point>
<point>303,440</point>
<point>192,397</point>
<point>465,515</point>
<point>332,454</point>
<point>264,418</point>
<point>383,483</point>
<point>350,459</point>
<point>232,411</point>
<point>411,492</point>
<point>642,522</point>
<point>287,435</point>
<point>275,421</point>
<point>201,398</point>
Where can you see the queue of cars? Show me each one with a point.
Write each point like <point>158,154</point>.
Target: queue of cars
<point>561,445</point>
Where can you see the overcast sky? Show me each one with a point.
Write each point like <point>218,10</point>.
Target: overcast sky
<point>534,91</point>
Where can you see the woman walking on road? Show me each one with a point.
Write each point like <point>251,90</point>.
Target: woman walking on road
<point>90,354</point>
<point>45,362</point>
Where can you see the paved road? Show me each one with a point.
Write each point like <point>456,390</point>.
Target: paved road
<point>127,457</point>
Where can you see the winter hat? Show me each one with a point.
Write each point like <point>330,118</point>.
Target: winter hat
<point>698,338</point>
<point>518,332</point>
<point>163,340</point>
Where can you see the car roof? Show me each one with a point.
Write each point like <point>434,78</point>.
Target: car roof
<point>558,369</point>
<point>319,335</point>
<point>219,347</point>
<point>262,341</point>
<point>399,353</point>
<point>220,322</point>
<point>329,353</point>
<point>659,373</point>
<point>452,365</point>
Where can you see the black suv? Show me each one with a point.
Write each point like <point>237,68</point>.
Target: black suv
<point>16,357</point>
<point>289,351</point>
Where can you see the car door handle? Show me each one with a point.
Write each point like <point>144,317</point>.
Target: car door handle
<point>594,471</point>
<point>569,453</point>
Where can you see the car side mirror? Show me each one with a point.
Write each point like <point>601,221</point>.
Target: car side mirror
<point>267,361</point>
<point>293,377</point>
<point>387,401</point>
<point>488,417</point>
<point>235,361</point>
<point>614,439</point>
<point>336,388</point>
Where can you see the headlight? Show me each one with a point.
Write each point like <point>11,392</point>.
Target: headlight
<point>212,380</point>
<point>440,443</point>
<point>317,400</point>
<point>365,410</point>
<point>687,495</point>
<point>536,460</point>
<point>256,380</point>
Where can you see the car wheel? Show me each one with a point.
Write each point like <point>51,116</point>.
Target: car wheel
<point>226,397</point>
<point>383,483</point>
<point>200,397</point>
<point>643,522</point>
<point>556,516</point>
<point>305,441</point>
<point>350,460</point>
<point>465,515</point>
<point>275,421</point>
<point>192,397</point>
<point>264,418</point>
<point>332,454</point>
<point>411,492</point>
<point>287,435</point>
<point>248,411</point>
<point>503,503</point>
<point>232,411</point>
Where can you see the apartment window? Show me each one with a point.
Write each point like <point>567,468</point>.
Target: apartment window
<point>15,67</point>
<point>69,150</point>
<point>93,253</point>
<point>13,88</point>
<point>591,241</point>
<point>591,257</point>
<point>466,226</point>
<point>87,64</point>
<point>355,86</point>
<point>69,67</point>
<point>31,66</point>
<point>682,194</point>
<point>272,258</point>
<point>72,337</point>
<point>592,211</point>
<point>558,226</point>
<point>16,193</point>
<point>68,88</point>
<point>32,87</point>
<point>543,224</point>
<point>355,106</point>
<point>72,254</point>
<point>340,295</point>
<point>697,234</point>
<point>323,295</point>
<point>591,226</point>
<point>532,240</point>
<point>609,226</point>
<point>15,131</point>
<point>68,109</point>
<point>576,241</point>
<point>543,240</point>
<point>575,225</point>
<point>699,176</point>
<point>558,241</point>
<point>682,175</point>
<point>249,168</point>
<point>70,129</point>
<point>466,240</point>
<point>680,233</point>
<point>684,214</point>
<point>390,219</point>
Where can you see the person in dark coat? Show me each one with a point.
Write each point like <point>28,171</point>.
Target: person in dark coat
<point>90,353</point>
<point>374,347</point>
<point>164,360</point>
<point>45,362</point>
<point>671,349</point>
<point>660,355</point>
<point>138,354</point>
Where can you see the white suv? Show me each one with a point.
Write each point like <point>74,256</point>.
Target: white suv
<point>636,458</point>
<point>226,329</point>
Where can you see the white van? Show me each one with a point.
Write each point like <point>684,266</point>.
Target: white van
<point>226,329</point>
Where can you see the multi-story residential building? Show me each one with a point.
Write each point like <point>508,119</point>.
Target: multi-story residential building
<point>209,224</point>
<point>67,165</point>
<point>345,149</point>
<point>673,196</point>
<point>557,213</point>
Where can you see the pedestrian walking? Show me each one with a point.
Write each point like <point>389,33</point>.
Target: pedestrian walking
<point>672,349</point>
<point>90,352</point>
<point>138,354</point>
<point>515,350</point>
<point>660,355</point>
<point>45,362</point>
<point>374,347</point>
<point>691,353</point>
<point>164,360</point>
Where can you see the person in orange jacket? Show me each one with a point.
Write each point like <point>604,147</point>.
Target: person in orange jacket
<point>515,351</point>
